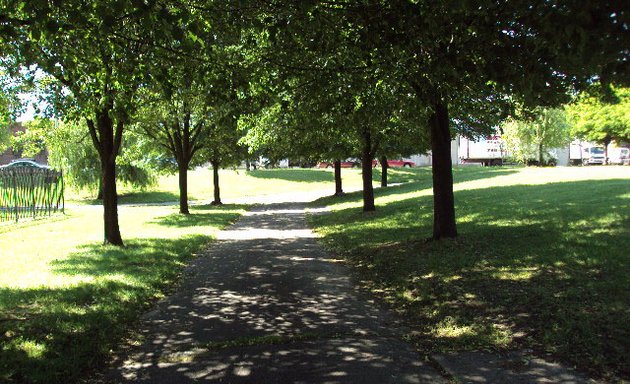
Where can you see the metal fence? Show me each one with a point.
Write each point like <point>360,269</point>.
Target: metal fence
<point>29,192</point>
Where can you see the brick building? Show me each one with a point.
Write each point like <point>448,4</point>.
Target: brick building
<point>9,155</point>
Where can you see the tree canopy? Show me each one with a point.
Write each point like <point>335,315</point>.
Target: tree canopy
<point>361,71</point>
<point>602,115</point>
<point>530,135</point>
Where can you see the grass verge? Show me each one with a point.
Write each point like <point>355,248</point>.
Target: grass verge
<point>234,184</point>
<point>66,300</point>
<point>541,262</point>
<point>240,183</point>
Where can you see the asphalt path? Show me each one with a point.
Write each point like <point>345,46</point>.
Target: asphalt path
<point>267,304</point>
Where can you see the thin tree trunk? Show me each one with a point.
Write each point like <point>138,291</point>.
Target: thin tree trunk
<point>107,144</point>
<point>540,155</point>
<point>443,197</point>
<point>384,167</point>
<point>338,186</point>
<point>183,187</point>
<point>607,141</point>
<point>248,165</point>
<point>110,204</point>
<point>215,177</point>
<point>366,168</point>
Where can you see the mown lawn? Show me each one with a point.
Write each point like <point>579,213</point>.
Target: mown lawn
<point>541,262</point>
<point>66,300</point>
<point>234,184</point>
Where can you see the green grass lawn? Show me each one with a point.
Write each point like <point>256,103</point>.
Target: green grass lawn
<point>66,300</point>
<point>235,184</point>
<point>541,262</point>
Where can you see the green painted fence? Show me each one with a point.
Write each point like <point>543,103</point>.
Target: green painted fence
<point>30,192</point>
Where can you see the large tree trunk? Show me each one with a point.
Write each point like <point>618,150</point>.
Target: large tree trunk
<point>366,167</point>
<point>99,194</point>
<point>215,177</point>
<point>107,144</point>
<point>182,166</point>
<point>443,198</point>
<point>384,167</point>
<point>338,186</point>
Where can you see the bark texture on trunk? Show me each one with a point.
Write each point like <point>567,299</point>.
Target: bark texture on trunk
<point>384,167</point>
<point>367,156</point>
<point>607,141</point>
<point>183,187</point>
<point>99,194</point>
<point>215,180</point>
<point>338,185</point>
<point>110,205</point>
<point>443,197</point>
<point>107,141</point>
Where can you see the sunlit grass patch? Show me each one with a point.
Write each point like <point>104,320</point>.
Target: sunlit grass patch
<point>541,261</point>
<point>66,300</point>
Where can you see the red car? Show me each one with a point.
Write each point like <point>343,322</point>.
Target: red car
<point>397,163</point>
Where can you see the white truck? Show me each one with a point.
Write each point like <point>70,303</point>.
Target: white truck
<point>488,150</point>
<point>585,153</point>
<point>619,155</point>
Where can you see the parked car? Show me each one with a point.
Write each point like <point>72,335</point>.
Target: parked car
<point>24,163</point>
<point>348,163</point>
<point>396,163</point>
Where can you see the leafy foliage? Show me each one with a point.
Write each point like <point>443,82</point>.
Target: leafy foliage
<point>531,135</point>
<point>70,150</point>
<point>602,115</point>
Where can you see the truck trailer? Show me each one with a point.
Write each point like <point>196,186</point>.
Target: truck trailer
<point>486,151</point>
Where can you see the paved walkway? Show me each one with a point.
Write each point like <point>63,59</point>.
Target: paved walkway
<point>266,304</point>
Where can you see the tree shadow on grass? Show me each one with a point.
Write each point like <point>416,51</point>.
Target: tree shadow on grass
<point>542,267</point>
<point>55,335</point>
<point>296,175</point>
<point>424,174</point>
<point>417,179</point>
<point>199,216</point>
<point>403,175</point>
<point>196,219</point>
<point>143,197</point>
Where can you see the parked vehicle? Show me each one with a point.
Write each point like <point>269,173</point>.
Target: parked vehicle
<point>24,163</point>
<point>575,152</point>
<point>619,156</point>
<point>348,163</point>
<point>396,163</point>
<point>488,150</point>
<point>400,163</point>
<point>593,155</point>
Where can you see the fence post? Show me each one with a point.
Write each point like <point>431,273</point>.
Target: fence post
<point>15,196</point>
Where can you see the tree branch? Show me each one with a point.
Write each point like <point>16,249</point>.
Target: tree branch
<point>93,134</point>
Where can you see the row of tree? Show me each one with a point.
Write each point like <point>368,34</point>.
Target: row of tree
<point>317,78</point>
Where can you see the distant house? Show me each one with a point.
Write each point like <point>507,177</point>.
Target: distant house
<point>9,155</point>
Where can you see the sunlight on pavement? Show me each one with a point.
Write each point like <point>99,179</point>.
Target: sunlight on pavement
<point>259,233</point>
